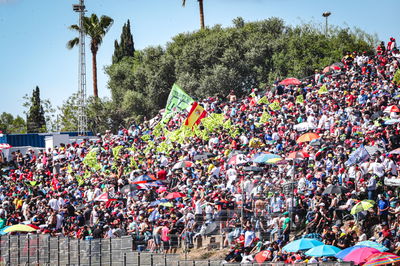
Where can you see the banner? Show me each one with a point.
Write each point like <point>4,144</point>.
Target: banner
<point>323,89</point>
<point>177,101</point>
<point>358,156</point>
<point>275,106</point>
<point>265,117</point>
<point>263,100</point>
<point>300,99</point>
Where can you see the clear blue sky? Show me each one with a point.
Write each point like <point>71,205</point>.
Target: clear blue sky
<point>33,34</point>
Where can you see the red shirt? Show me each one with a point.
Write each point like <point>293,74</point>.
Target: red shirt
<point>162,175</point>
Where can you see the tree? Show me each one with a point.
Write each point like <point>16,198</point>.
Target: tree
<point>11,125</point>
<point>96,29</point>
<point>68,120</point>
<point>125,48</point>
<point>201,10</point>
<point>35,120</point>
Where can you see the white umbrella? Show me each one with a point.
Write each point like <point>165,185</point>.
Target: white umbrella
<point>304,126</point>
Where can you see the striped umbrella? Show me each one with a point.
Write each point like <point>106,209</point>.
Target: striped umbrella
<point>372,244</point>
<point>382,259</point>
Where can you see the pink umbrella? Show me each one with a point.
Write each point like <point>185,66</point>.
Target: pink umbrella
<point>5,146</point>
<point>290,81</point>
<point>174,195</point>
<point>360,255</point>
<point>161,190</point>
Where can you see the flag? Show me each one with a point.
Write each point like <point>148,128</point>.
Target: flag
<point>275,106</point>
<point>55,183</point>
<point>263,100</point>
<point>177,101</point>
<point>323,89</point>
<point>358,156</point>
<point>195,115</point>
<point>265,117</point>
<point>300,99</point>
<point>253,102</point>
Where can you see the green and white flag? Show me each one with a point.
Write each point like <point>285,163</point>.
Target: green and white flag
<point>178,100</point>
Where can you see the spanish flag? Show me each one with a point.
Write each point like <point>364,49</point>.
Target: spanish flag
<point>196,113</point>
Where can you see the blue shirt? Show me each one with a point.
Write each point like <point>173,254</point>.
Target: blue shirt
<point>383,204</point>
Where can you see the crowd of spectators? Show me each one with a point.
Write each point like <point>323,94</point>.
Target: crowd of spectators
<point>254,206</point>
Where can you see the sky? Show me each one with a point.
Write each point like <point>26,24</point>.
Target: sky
<point>34,33</point>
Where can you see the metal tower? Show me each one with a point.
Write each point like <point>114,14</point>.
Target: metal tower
<point>82,117</point>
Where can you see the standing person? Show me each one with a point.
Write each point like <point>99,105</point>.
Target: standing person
<point>165,237</point>
<point>286,227</point>
<point>371,187</point>
<point>383,208</point>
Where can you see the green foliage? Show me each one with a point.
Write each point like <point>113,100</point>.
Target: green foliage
<point>213,61</point>
<point>125,48</point>
<point>68,119</point>
<point>35,120</point>
<point>396,77</point>
<point>12,125</point>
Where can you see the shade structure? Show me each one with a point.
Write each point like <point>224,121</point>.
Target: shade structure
<point>290,81</point>
<point>343,253</point>
<point>391,108</point>
<point>372,244</point>
<point>175,195</point>
<point>19,228</point>
<point>183,164</point>
<point>307,137</point>
<point>361,206</point>
<point>334,189</point>
<point>323,251</point>
<point>382,259</point>
<point>302,244</point>
<point>263,256</point>
<point>360,255</point>
<point>5,146</point>
<point>299,155</point>
<point>264,157</point>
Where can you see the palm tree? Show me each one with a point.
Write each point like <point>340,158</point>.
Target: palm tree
<point>96,29</point>
<point>201,12</point>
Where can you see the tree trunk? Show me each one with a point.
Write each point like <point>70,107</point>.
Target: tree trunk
<point>201,14</point>
<point>94,68</point>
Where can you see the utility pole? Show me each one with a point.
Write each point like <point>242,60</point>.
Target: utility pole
<point>326,15</point>
<point>82,117</point>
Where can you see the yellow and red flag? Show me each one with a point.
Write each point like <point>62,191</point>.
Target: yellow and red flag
<point>196,113</point>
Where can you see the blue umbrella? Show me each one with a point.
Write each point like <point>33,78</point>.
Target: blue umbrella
<point>372,244</point>
<point>346,251</point>
<point>301,244</point>
<point>323,251</point>
<point>392,121</point>
<point>313,236</point>
<point>264,157</point>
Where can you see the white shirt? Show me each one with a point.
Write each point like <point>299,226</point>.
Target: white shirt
<point>53,203</point>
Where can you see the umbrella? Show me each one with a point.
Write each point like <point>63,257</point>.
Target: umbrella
<point>166,204</point>
<point>361,206</point>
<point>382,258</point>
<point>313,236</point>
<point>183,164</point>
<point>161,190</point>
<point>263,256</point>
<point>253,169</point>
<point>174,195</point>
<point>290,81</point>
<point>274,160</point>
<point>391,121</point>
<point>395,151</point>
<point>202,156</point>
<point>307,137</point>
<point>300,155</point>
<point>237,159</point>
<point>127,188</point>
<point>304,126</point>
<point>373,149</point>
<point>5,146</point>
<point>346,251</point>
<point>333,189</point>
<point>323,250</point>
<point>360,255</point>
<point>143,179</point>
<point>19,228</point>
<point>2,233</point>
<point>372,244</point>
<point>301,244</point>
<point>391,108</point>
<point>264,157</point>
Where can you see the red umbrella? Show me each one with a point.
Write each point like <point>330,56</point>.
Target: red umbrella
<point>391,108</point>
<point>5,146</point>
<point>297,155</point>
<point>290,81</point>
<point>174,195</point>
<point>183,164</point>
<point>238,159</point>
<point>161,190</point>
